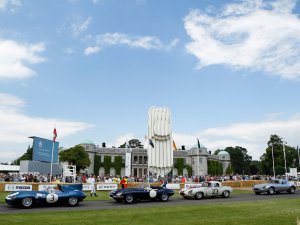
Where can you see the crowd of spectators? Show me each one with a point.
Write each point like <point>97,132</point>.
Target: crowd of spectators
<point>82,178</point>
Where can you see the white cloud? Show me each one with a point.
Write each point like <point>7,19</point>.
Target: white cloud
<point>15,58</point>
<point>16,127</point>
<point>144,42</point>
<point>79,25</point>
<point>251,34</point>
<point>252,136</point>
<point>12,5</point>
<point>91,50</point>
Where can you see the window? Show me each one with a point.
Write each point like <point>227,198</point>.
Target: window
<point>200,161</point>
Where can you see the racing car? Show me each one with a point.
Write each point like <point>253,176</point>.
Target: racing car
<point>275,186</point>
<point>143,192</point>
<point>208,189</point>
<point>69,194</point>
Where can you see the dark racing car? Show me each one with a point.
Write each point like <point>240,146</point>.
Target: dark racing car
<point>143,192</point>
<point>70,195</point>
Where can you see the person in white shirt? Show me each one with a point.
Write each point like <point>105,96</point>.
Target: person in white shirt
<point>92,182</point>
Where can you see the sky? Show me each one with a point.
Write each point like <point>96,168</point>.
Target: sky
<point>228,71</point>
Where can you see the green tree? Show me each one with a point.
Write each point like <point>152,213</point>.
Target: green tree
<point>75,156</point>
<point>118,164</point>
<point>26,156</point>
<point>214,167</point>
<point>267,160</point>
<point>239,159</point>
<point>97,164</point>
<point>255,167</point>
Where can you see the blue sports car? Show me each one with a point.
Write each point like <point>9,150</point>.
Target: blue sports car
<point>70,194</point>
<point>143,192</point>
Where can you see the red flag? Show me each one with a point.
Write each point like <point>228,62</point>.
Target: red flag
<point>54,134</point>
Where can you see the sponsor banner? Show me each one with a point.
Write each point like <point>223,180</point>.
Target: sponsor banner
<point>173,186</point>
<point>192,185</point>
<point>86,187</point>
<point>18,187</point>
<point>46,187</point>
<point>128,164</point>
<point>107,187</point>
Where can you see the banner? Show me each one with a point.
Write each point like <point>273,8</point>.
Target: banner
<point>18,187</point>
<point>196,185</point>
<point>46,187</point>
<point>107,187</point>
<point>175,186</point>
<point>42,150</point>
<point>128,164</point>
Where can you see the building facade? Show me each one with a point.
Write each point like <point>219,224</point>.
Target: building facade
<point>194,159</point>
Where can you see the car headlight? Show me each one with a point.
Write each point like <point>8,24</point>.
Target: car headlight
<point>119,193</point>
<point>13,194</point>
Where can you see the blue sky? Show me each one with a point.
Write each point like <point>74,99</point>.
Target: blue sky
<point>227,70</point>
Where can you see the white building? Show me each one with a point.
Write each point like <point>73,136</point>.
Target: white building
<point>194,159</point>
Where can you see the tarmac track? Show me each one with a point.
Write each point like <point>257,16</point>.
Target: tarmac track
<point>111,204</point>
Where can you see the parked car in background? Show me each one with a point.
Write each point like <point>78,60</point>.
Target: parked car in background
<point>143,192</point>
<point>275,186</point>
<point>70,195</point>
<point>208,189</point>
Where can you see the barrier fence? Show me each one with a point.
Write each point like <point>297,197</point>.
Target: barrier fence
<point>11,186</point>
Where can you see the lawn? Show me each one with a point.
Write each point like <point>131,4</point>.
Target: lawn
<point>267,212</point>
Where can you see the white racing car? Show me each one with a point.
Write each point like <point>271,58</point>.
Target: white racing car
<point>208,189</point>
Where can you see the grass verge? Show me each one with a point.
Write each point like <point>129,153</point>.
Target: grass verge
<point>267,212</point>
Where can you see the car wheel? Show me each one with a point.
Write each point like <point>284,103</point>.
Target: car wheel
<point>129,198</point>
<point>226,194</point>
<point>292,190</point>
<point>164,197</point>
<point>271,191</point>
<point>199,195</point>
<point>73,201</point>
<point>27,203</point>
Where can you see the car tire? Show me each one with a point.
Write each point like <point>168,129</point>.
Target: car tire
<point>164,197</point>
<point>271,191</point>
<point>129,199</point>
<point>73,201</point>
<point>199,195</point>
<point>226,194</point>
<point>292,190</point>
<point>27,202</point>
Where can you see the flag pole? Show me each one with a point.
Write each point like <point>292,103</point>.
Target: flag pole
<point>52,160</point>
<point>53,142</point>
<point>199,146</point>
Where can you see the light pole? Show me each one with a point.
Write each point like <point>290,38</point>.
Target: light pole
<point>273,159</point>
<point>283,146</point>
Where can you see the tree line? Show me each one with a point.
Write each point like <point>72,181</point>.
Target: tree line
<point>240,162</point>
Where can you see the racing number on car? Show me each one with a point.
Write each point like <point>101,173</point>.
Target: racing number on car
<point>51,198</point>
<point>215,191</point>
